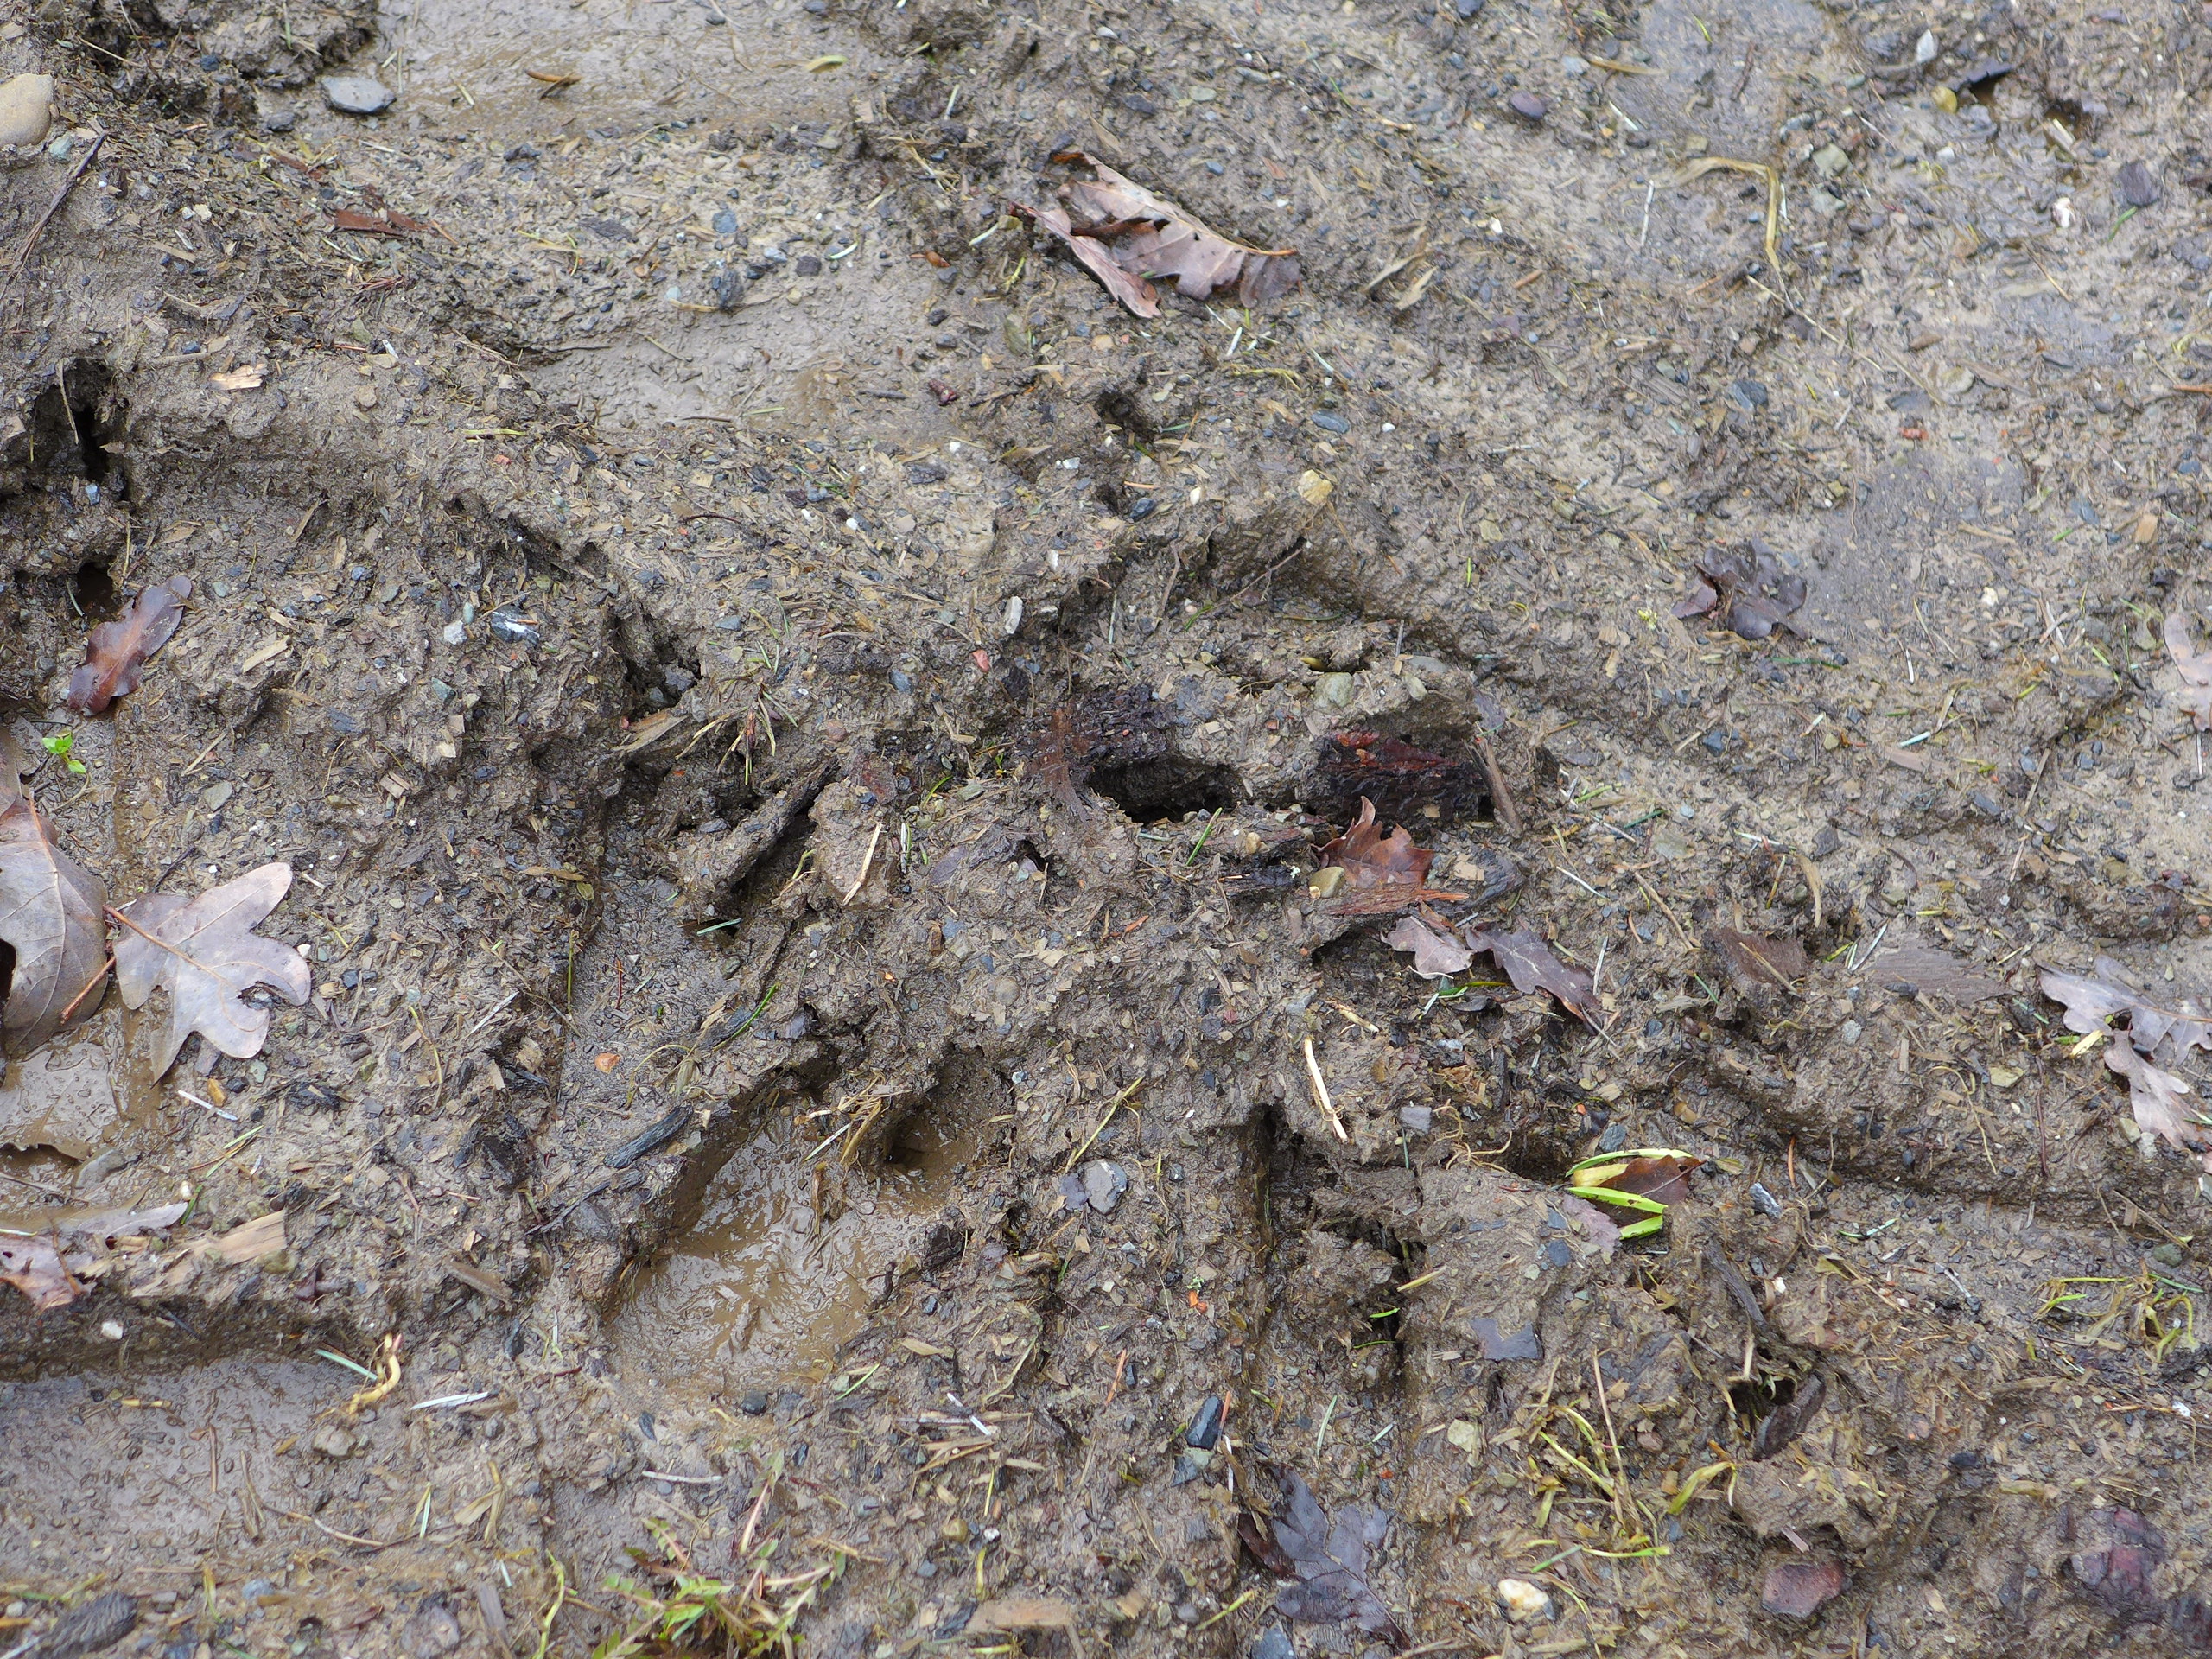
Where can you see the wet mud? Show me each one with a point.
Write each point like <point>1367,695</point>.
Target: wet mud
<point>841,1103</point>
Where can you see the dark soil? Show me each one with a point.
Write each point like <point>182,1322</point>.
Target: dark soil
<point>806,732</point>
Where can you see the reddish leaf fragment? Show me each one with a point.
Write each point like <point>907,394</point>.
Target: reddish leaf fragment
<point>1800,1586</point>
<point>34,1266</point>
<point>1754,961</point>
<point>1372,859</point>
<point>944,394</point>
<point>1529,964</point>
<point>1748,589</point>
<point>115,651</point>
<point>1401,779</point>
<point>391,222</point>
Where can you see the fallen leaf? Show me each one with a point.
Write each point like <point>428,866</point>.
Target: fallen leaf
<point>1529,964</point>
<point>607,1061</point>
<point>34,1266</point>
<point>240,380</point>
<point>1661,1176</point>
<point>1436,954</point>
<point>1748,589</point>
<point>205,953</point>
<point>1403,781</point>
<point>1315,488</point>
<point>1328,1560</point>
<point>2157,1036</point>
<point>51,914</point>
<point>1151,237</point>
<point>1754,961</point>
<point>54,1268</point>
<point>114,651</point>
<point>2195,671</point>
<point>1370,859</point>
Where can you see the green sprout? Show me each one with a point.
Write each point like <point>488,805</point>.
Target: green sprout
<point>58,745</point>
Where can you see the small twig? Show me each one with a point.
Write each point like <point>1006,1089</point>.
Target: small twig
<point>98,975</point>
<point>1321,1092</point>
<point>61,195</point>
<point>867,863</point>
<point>1501,798</point>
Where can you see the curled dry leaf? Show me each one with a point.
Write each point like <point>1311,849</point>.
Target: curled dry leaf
<point>1123,234</point>
<point>2195,671</point>
<point>115,651</point>
<point>205,953</point>
<point>1529,964</point>
<point>2157,1036</point>
<point>1747,589</point>
<point>50,913</point>
<point>1436,954</point>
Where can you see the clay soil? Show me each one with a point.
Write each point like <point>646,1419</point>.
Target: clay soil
<point>805,731</point>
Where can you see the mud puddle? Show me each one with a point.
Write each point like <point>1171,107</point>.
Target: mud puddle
<point>93,1458</point>
<point>790,1253</point>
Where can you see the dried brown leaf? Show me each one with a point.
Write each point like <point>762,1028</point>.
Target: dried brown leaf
<point>2158,1098</point>
<point>1664,1177</point>
<point>115,651</point>
<point>50,913</point>
<point>205,953</point>
<point>1436,954</point>
<point>1529,964</point>
<point>1125,234</point>
<point>2196,669</point>
<point>34,1266</point>
<point>1372,859</point>
<point>1747,589</point>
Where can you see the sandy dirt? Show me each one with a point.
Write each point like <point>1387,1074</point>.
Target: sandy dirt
<point>838,1109</point>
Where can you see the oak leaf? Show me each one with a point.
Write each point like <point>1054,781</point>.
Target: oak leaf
<point>1436,954</point>
<point>50,913</point>
<point>1529,964</point>
<point>2157,1036</point>
<point>1125,234</point>
<point>115,651</point>
<point>205,953</point>
<point>1372,859</point>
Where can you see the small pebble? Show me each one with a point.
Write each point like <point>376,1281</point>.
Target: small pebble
<point>1524,1602</point>
<point>1532,109</point>
<point>1925,50</point>
<point>1573,66</point>
<point>2137,187</point>
<point>356,94</point>
<point>26,108</point>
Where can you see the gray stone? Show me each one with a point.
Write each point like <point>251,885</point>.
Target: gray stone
<point>1104,1183</point>
<point>356,94</point>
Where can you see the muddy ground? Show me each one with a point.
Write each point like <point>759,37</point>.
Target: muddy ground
<point>800,726</point>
